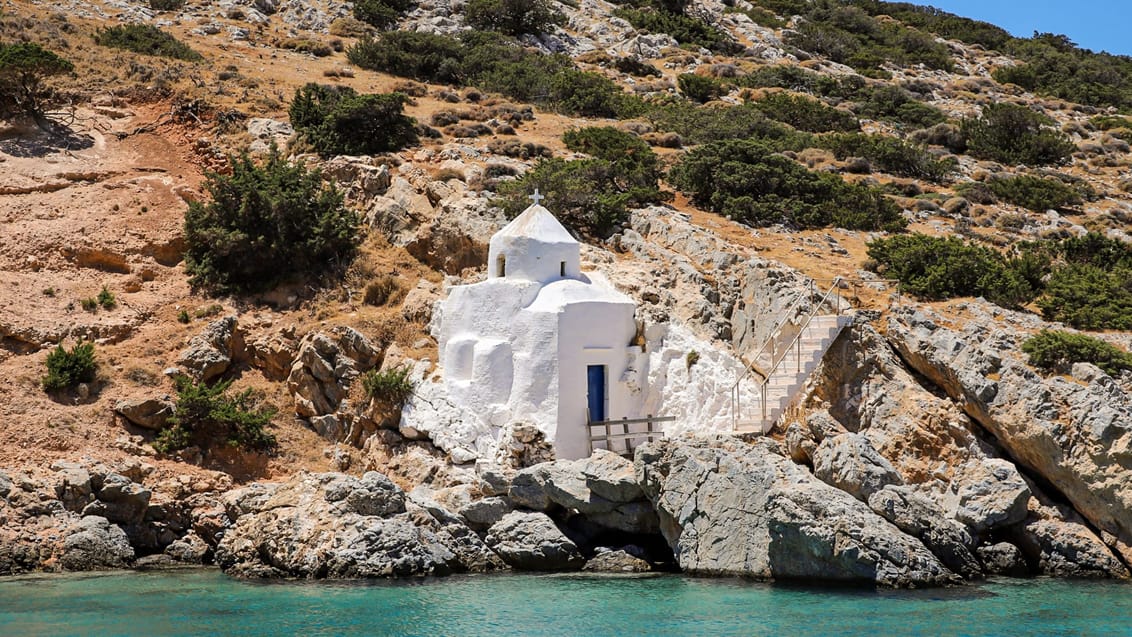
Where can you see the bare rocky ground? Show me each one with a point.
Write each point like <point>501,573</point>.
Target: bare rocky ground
<point>925,444</point>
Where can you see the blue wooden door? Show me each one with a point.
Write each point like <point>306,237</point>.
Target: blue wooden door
<point>595,394</point>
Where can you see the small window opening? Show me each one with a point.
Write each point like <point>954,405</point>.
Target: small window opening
<point>501,266</point>
<point>562,268</point>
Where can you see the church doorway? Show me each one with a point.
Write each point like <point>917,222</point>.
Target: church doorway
<point>595,394</point>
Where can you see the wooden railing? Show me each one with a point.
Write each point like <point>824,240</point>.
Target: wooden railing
<point>603,434</point>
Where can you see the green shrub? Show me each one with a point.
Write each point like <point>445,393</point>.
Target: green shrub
<point>106,299</point>
<point>701,125</point>
<point>685,29</point>
<point>206,415</point>
<point>513,17</point>
<point>1109,122</point>
<point>937,268</point>
<point>1056,67</point>
<point>166,5</point>
<point>1088,297</point>
<point>1034,193</point>
<point>806,114</point>
<point>414,54</point>
<point>1057,351</point>
<point>700,88</point>
<point>380,13</point>
<point>591,196</point>
<point>67,369</point>
<point>1014,134</point>
<point>338,121</point>
<point>635,67</point>
<point>847,34</point>
<point>89,304</point>
<point>146,40</point>
<point>264,224</point>
<point>748,181</point>
<point>894,104</point>
<point>23,69</point>
<point>891,155</point>
<point>392,386</point>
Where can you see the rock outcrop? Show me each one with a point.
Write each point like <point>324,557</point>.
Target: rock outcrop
<point>733,508</point>
<point>1074,433</point>
<point>320,378</point>
<point>210,353</point>
<point>339,526</point>
<point>530,541</point>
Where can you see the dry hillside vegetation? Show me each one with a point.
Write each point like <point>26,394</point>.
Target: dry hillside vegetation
<point>873,141</point>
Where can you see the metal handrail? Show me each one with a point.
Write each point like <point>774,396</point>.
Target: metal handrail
<point>787,314</point>
<point>795,344</point>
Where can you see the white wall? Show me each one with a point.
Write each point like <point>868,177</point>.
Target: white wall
<point>533,260</point>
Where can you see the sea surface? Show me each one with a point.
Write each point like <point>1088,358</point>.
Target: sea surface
<point>205,602</point>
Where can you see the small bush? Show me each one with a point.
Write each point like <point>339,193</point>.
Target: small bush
<point>391,387</point>
<point>1057,351</point>
<point>338,121</point>
<point>89,304</point>
<point>206,415</point>
<point>636,67</point>
<point>106,299</point>
<point>700,88</point>
<point>513,17</point>
<point>166,5</point>
<point>380,13</point>
<point>701,125</point>
<point>1088,297</point>
<point>23,70</point>
<point>183,317</point>
<point>146,40</point>
<point>891,155</point>
<point>414,54</point>
<point>304,45</point>
<point>937,268</point>
<point>806,114</point>
<point>591,196</point>
<point>383,291</point>
<point>751,182</point>
<point>67,369</point>
<point>1014,135</point>
<point>1034,193</point>
<point>266,223</point>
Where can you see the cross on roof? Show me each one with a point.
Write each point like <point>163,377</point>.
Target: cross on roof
<point>536,197</point>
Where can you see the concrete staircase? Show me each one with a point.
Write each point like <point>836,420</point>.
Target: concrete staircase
<point>784,363</point>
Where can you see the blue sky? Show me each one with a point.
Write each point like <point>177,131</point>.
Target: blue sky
<point>1100,25</point>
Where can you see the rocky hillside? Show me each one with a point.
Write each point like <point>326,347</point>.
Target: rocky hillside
<point>721,159</point>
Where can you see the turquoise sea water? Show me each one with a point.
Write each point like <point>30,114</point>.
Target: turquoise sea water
<point>204,602</point>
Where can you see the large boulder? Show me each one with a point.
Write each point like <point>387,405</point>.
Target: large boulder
<point>919,517</point>
<point>147,413</point>
<point>334,525</point>
<point>991,497</point>
<point>728,507</point>
<point>602,488</point>
<point>530,541</point>
<point>849,462</point>
<point>210,353</point>
<point>1074,433</point>
<point>321,375</point>
<point>94,543</point>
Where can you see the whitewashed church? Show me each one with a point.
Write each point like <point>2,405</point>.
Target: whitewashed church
<point>539,340</point>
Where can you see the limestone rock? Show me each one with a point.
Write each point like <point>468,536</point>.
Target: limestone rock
<point>94,543</point>
<point>732,508</point>
<point>849,462</point>
<point>1003,558</point>
<point>997,498</point>
<point>610,476</point>
<point>919,517</point>
<point>334,525</point>
<point>481,514</point>
<point>1075,435</point>
<point>190,549</point>
<point>618,561</point>
<point>1055,539</point>
<point>120,500</point>
<point>147,413</point>
<point>528,488</point>
<point>530,541</point>
<point>211,352</point>
<point>274,352</point>
<point>320,378</point>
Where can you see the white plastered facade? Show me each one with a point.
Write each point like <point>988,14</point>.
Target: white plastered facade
<point>517,346</point>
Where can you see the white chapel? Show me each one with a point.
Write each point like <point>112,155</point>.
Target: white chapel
<point>539,340</point>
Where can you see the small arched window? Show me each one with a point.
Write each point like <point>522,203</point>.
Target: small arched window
<point>501,265</point>
<point>562,268</point>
